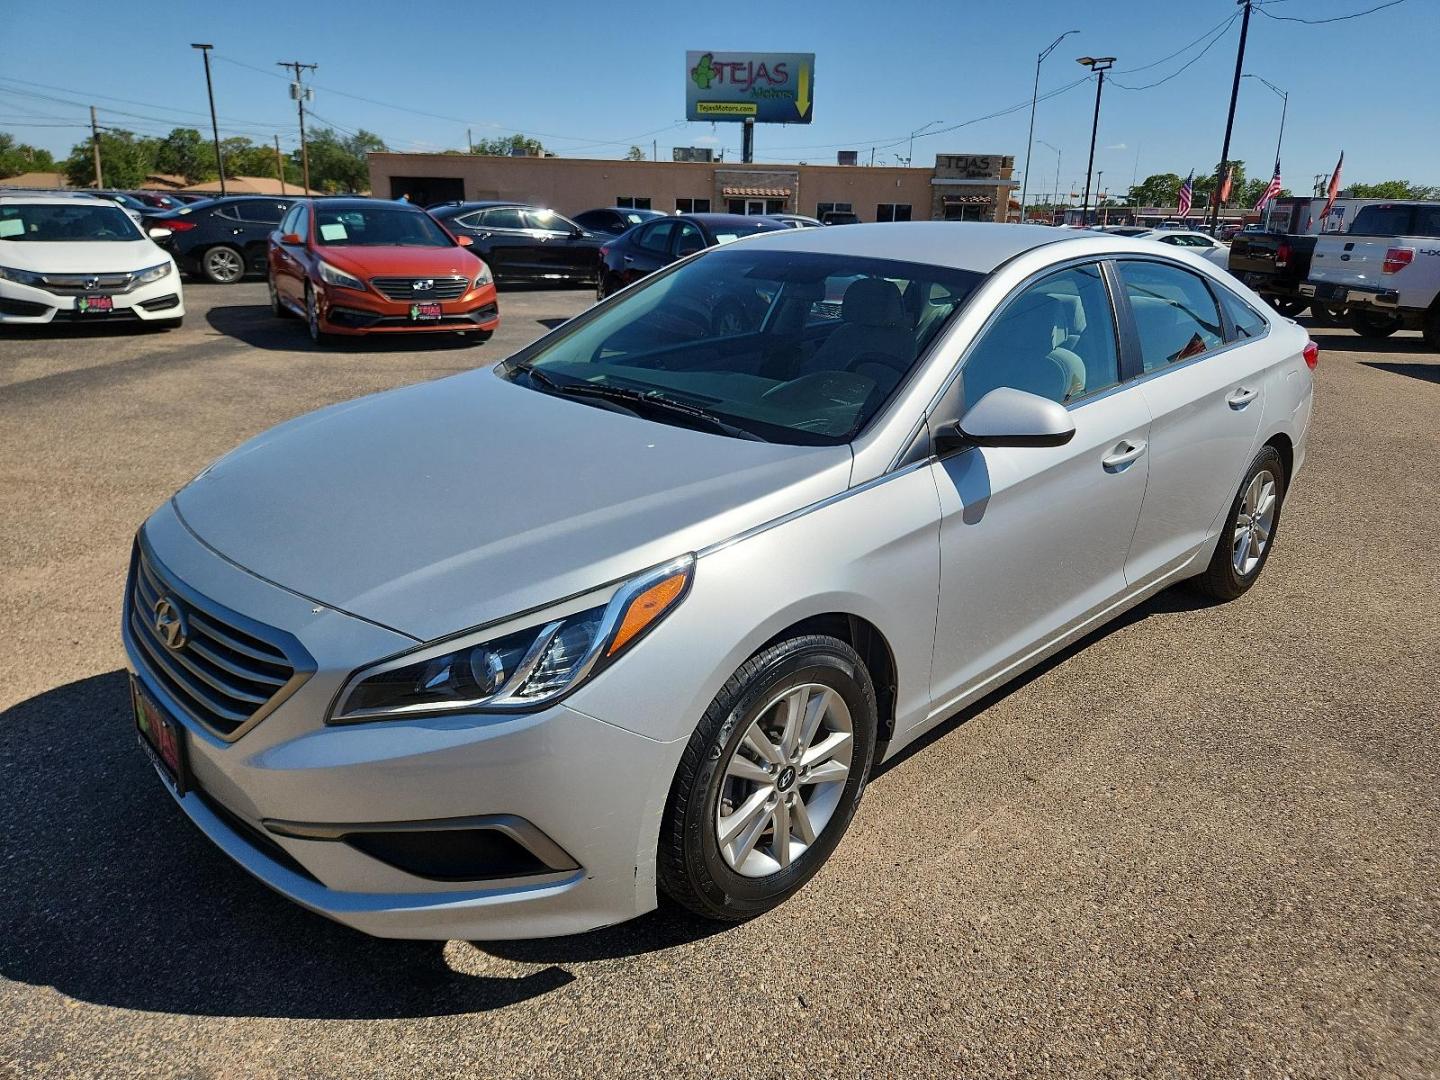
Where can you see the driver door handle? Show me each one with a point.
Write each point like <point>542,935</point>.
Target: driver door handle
<point>1122,456</point>
<point>629,258</point>
<point>1241,397</point>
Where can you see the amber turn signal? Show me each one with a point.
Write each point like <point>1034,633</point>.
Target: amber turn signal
<point>646,608</point>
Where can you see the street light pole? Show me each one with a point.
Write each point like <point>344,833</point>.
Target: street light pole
<point>1035,100</point>
<point>214,125</point>
<point>1055,202</point>
<point>1099,65</point>
<point>911,156</point>
<point>1284,107</point>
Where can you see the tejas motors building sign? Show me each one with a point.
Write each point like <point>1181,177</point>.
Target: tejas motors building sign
<point>769,88</point>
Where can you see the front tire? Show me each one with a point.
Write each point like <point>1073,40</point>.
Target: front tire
<point>222,265</point>
<point>770,779</point>
<point>1375,325</point>
<point>1249,531</point>
<point>312,318</point>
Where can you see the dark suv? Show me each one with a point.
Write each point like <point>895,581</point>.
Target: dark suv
<point>221,240</point>
<point>524,243</point>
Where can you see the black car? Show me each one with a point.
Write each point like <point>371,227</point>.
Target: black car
<point>221,240</point>
<point>614,220</point>
<point>649,246</point>
<point>524,243</point>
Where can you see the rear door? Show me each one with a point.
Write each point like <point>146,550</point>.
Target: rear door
<point>561,251</point>
<point>258,218</point>
<point>506,242</point>
<point>648,250</point>
<point>1205,395</point>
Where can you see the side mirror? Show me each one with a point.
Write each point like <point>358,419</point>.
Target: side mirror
<point>1008,417</point>
<point>464,241</point>
<point>158,233</point>
<point>291,238</point>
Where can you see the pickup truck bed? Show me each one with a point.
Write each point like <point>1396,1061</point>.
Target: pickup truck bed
<point>1275,266</point>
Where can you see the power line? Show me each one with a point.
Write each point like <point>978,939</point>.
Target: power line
<point>1320,22</point>
<point>1159,82</point>
<point>1225,22</point>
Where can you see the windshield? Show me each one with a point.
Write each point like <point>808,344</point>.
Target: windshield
<point>78,221</point>
<point>734,230</point>
<point>378,226</point>
<point>794,347</point>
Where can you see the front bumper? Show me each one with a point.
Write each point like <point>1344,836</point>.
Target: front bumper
<point>157,301</point>
<point>282,797</point>
<point>351,311</point>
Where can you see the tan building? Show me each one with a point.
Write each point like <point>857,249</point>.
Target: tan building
<point>972,187</point>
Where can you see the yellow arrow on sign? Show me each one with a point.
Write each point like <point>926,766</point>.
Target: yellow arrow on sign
<point>802,99</point>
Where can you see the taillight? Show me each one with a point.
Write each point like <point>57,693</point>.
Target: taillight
<point>178,225</point>
<point>1398,259</point>
<point>1282,255</point>
<point>1312,354</point>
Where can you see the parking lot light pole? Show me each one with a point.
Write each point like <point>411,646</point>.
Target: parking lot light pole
<point>1099,65</point>
<point>1035,100</point>
<point>1284,107</point>
<point>214,124</point>
<point>1055,202</point>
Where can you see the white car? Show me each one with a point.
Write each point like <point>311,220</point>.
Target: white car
<point>1198,243</point>
<point>73,259</point>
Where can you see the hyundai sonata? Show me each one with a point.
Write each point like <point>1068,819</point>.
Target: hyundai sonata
<point>639,609</point>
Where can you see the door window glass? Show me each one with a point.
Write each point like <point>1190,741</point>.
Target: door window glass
<point>261,211</point>
<point>547,220</point>
<point>1056,339</point>
<point>506,217</point>
<point>688,239</point>
<point>1175,314</point>
<point>657,237</point>
<point>1248,322</point>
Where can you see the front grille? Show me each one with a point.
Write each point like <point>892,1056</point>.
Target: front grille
<point>161,303</point>
<point>222,675</point>
<point>403,288</point>
<point>90,284</point>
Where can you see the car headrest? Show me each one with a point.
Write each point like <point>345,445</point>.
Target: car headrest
<point>872,302</point>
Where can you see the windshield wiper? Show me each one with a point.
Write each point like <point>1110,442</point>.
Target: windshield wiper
<point>652,400</point>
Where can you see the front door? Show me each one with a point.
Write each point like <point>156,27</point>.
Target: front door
<point>1033,539</point>
<point>755,207</point>
<point>1206,400</point>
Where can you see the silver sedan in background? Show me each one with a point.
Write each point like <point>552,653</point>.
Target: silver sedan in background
<point>640,609</point>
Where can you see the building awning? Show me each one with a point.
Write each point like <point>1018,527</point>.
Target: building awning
<point>967,200</point>
<point>756,192</point>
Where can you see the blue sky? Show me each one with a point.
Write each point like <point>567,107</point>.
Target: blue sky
<point>591,79</point>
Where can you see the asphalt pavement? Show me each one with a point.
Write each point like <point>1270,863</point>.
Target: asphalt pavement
<point>1203,843</point>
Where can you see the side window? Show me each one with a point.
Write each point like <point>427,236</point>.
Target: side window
<point>688,240</point>
<point>302,222</point>
<point>547,221</point>
<point>290,222</point>
<point>1249,323</point>
<point>506,217</point>
<point>230,212</point>
<point>1055,339</point>
<point>261,211</point>
<point>1175,315</point>
<point>657,237</point>
<point>468,221</point>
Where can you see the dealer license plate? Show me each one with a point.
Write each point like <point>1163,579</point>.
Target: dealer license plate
<point>160,736</point>
<point>424,312</point>
<point>94,305</point>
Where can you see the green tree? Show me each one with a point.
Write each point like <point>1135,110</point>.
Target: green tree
<point>17,158</point>
<point>338,162</point>
<point>505,145</point>
<point>635,153</point>
<point>125,160</point>
<point>1161,189</point>
<point>185,152</point>
<point>1392,189</point>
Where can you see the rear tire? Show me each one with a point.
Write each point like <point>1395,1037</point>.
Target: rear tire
<point>1375,325</point>
<point>1328,314</point>
<point>730,872</point>
<point>1252,521</point>
<point>1431,329</point>
<point>222,265</point>
<point>1289,306</point>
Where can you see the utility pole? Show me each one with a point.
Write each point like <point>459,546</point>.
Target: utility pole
<point>214,125</point>
<point>654,149</point>
<point>1100,194</point>
<point>925,127</point>
<point>95,145</point>
<point>279,165</point>
<point>1315,191</point>
<point>1035,100</point>
<point>1230,119</point>
<point>1099,65</point>
<point>301,93</point>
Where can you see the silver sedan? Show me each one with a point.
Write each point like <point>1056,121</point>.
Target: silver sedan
<point>641,608</point>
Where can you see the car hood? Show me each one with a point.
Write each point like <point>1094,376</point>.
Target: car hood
<point>81,256</point>
<point>371,261</point>
<point>455,503</point>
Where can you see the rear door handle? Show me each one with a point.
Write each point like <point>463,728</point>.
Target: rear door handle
<point>1122,456</point>
<point>629,258</point>
<point>1241,397</point>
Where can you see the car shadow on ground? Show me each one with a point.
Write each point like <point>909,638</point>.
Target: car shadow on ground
<point>1423,372</point>
<point>81,331</point>
<point>256,325</point>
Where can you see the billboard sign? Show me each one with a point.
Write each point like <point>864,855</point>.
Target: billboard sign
<point>769,88</point>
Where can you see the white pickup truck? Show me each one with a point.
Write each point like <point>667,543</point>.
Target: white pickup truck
<point>1385,270</point>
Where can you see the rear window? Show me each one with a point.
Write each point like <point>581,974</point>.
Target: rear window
<point>1382,220</point>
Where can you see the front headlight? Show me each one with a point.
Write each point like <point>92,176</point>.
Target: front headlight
<point>153,273</point>
<point>484,277</point>
<point>518,670</point>
<point>23,277</point>
<point>332,275</point>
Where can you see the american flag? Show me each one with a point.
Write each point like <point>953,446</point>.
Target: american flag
<point>1271,191</point>
<point>1187,194</point>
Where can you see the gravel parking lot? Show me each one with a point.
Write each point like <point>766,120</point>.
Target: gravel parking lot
<point>1204,843</point>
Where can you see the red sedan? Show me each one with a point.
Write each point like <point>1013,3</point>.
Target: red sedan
<point>362,266</point>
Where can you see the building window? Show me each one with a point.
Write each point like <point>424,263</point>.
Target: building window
<point>633,202</point>
<point>821,209</point>
<point>691,206</point>
<point>892,211</point>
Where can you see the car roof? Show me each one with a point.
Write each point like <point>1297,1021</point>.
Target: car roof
<point>52,200</point>
<point>980,246</point>
<point>487,204</point>
<point>726,219</point>
<point>361,203</point>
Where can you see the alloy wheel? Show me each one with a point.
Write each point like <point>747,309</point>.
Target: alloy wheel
<point>312,315</point>
<point>784,780</point>
<point>1253,523</point>
<point>223,265</point>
